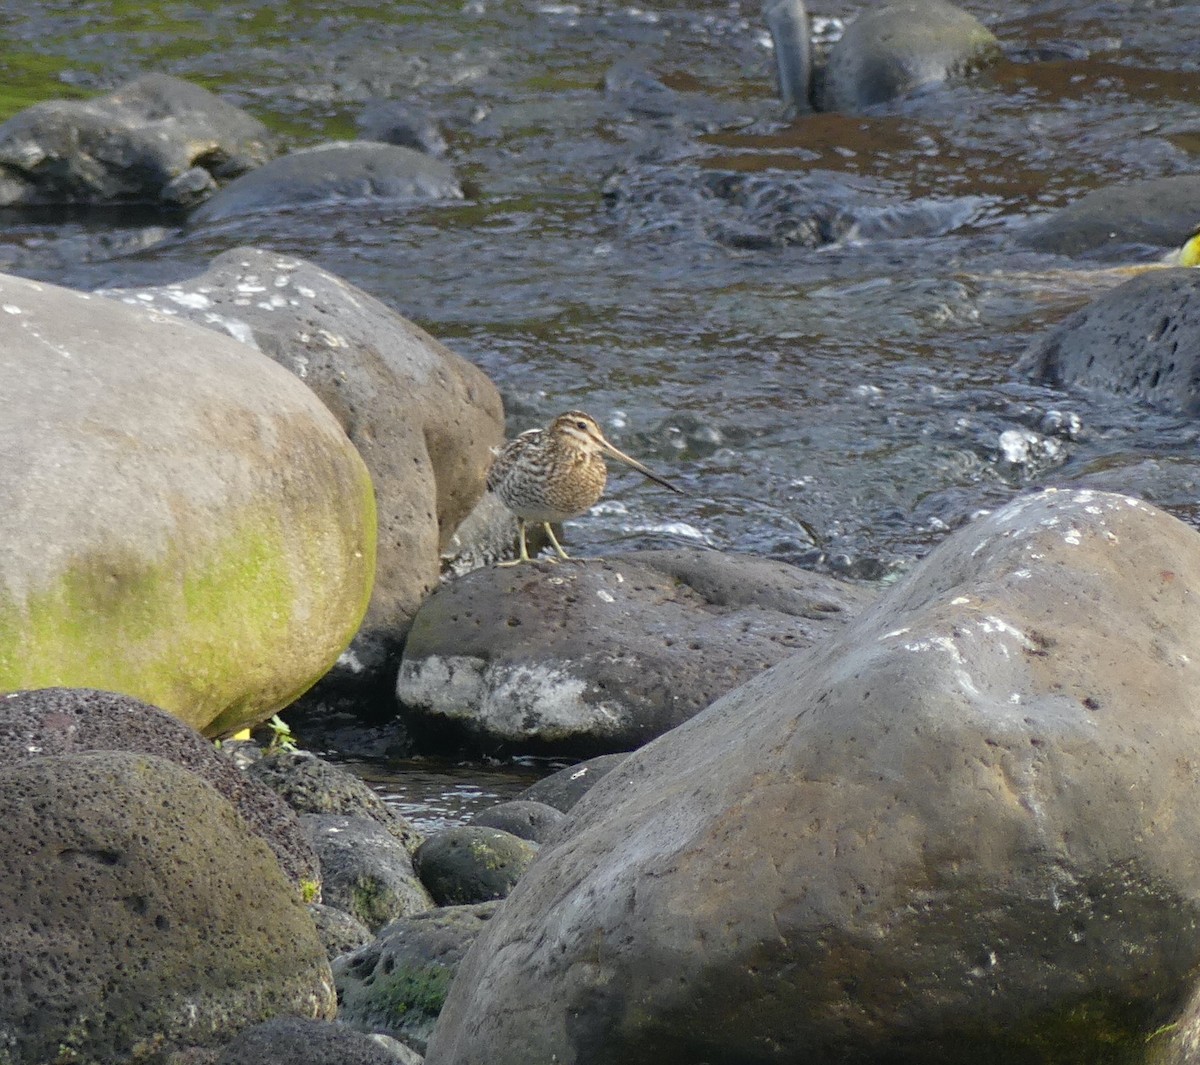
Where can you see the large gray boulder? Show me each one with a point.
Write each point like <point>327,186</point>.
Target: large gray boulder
<point>157,141</point>
<point>902,47</point>
<point>183,520</point>
<point>1161,212</point>
<point>62,721</point>
<point>603,655</point>
<point>423,418</point>
<point>1141,339</point>
<point>962,830</point>
<point>326,175</point>
<point>140,915</point>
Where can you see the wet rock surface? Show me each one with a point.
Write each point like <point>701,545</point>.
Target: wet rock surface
<point>1141,339</point>
<point>157,141</point>
<point>901,48</point>
<point>963,810</point>
<point>331,174</point>
<point>134,887</point>
<point>51,722</point>
<point>564,789</point>
<point>1110,222</point>
<point>366,871</point>
<point>397,984</point>
<point>598,655</point>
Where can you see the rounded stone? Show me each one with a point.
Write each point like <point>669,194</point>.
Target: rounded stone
<point>468,863</point>
<point>534,821</point>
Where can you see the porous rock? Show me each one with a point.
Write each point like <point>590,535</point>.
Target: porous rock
<point>184,521</point>
<point>140,915</point>
<point>1159,211</point>
<point>959,831</point>
<point>64,721</point>
<point>155,141</point>
<point>340,931</point>
<point>397,983</point>
<point>300,1041</point>
<point>603,655</point>
<point>423,418</point>
<point>311,785</point>
<point>471,863</point>
<point>349,172</point>
<point>366,871</point>
<point>901,47</point>
<point>1141,339</point>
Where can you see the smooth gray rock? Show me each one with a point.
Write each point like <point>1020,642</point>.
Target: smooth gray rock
<point>156,141</point>
<point>401,123</point>
<point>397,984</point>
<point>470,863</point>
<point>140,911</point>
<point>534,821</point>
<point>564,789</point>
<point>603,655</point>
<point>183,520</point>
<point>1161,212</point>
<point>423,418</point>
<point>959,831</point>
<point>345,172</point>
<point>59,721</point>
<point>1141,339</point>
<point>903,47</point>
<point>366,871</point>
<point>299,1041</point>
<point>340,931</point>
<point>311,785</point>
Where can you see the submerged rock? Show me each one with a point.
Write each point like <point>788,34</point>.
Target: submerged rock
<point>155,141</point>
<point>603,655</point>
<point>140,915</point>
<point>184,521</point>
<point>901,48</point>
<point>1141,339</point>
<point>953,832</point>
<point>338,173</point>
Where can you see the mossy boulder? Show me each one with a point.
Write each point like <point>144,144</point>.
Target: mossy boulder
<point>140,915</point>
<point>472,863</point>
<point>185,522</point>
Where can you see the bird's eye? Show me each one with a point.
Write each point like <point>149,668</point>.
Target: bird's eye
<point>581,425</point>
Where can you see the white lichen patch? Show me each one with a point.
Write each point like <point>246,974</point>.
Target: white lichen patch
<point>1073,537</point>
<point>606,597</point>
<point>195,301</point>
<point>12,308</point>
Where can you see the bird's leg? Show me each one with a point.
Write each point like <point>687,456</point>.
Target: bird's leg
<point>524,555</point>
<point>554,540</point>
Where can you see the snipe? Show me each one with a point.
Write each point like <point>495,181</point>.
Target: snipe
<point>556,473</point>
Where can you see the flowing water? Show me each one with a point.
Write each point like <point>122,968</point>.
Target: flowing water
<point>632,241</point>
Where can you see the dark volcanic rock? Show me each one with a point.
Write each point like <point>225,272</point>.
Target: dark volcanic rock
<point>347,172</point>
<point>63,721</point>
<point>397,122</point>
<point>140,914</point>
<point>902,47</point>
<point>1141,339</point>
<point>340,931</point>
<point>311,785</point>
<point>470,863</point>
<point>156,141</point>
<point>962,830</point>
<point>1161,212</point>
<point>304,1042</point>
<point>367,872</point>
<point>397,984</point>
<point>600,655</point>
<point>564,789</point>
<point>534,821</point>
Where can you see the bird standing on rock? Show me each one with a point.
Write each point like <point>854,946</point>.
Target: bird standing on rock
<point>556,473</point>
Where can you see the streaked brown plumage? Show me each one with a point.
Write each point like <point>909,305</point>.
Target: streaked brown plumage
<point>556,473</point>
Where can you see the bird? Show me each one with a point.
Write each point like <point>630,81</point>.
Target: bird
<point>551,474</point>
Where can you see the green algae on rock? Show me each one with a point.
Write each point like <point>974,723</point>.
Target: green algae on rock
<point>186,522</point>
